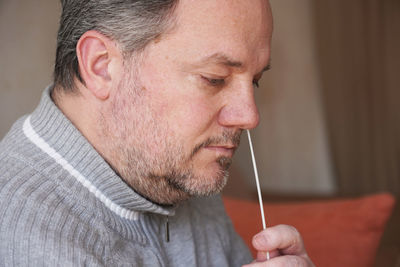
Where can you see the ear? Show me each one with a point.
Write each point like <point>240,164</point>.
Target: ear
<point>98,58</point>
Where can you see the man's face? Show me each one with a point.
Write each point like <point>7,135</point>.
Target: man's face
<point>177,114</point>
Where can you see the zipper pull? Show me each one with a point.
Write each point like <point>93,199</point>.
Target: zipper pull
<point>167,230</point>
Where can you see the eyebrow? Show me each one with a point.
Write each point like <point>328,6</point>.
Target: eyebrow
<point>268,67</point>
<point>223,59</point>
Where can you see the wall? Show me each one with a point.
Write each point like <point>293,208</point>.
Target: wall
<point>291,141</point>
<point>27,48</point>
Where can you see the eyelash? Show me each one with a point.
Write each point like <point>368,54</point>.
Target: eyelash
<point>256,84</point>
<point>220,82</point>
<point>215,82</point>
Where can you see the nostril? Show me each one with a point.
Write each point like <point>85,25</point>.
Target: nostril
<point>255,119</point>
<point>240,116</point>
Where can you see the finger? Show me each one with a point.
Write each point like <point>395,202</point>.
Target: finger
<point>284,261</point>
<point>291,260</point>
<point>262,255</point>
<point>284,238</point>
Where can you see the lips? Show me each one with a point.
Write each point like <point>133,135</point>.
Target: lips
<point>223,145</point>
<point>223,150</point>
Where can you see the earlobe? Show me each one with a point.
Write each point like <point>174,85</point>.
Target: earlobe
<point>95,53</point>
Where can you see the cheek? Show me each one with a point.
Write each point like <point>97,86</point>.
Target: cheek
<point>192,119</point>
<point>179,102</point>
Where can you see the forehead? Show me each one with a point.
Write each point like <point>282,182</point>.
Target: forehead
<point>240,29</point>
<point>237,13</point>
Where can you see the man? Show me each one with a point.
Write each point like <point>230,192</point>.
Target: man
<point>118,164</point>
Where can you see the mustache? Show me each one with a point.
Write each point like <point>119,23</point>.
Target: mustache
<point>227,137</point>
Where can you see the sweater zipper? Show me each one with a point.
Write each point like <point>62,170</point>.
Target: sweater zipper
<point>167,230</point>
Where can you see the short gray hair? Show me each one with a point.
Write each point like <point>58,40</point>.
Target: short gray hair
<point>132,23</point>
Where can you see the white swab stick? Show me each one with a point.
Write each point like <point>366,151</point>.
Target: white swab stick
<point>258,184</point>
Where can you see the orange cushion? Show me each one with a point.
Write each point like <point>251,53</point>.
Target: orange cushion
<point>339,232</point>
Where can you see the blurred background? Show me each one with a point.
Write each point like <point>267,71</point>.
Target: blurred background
<point>330,117</point>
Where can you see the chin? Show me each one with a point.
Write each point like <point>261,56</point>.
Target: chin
<point>207,184</point>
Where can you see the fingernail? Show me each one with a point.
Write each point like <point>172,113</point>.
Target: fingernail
<point>261,256</point>
<point>261,240</point>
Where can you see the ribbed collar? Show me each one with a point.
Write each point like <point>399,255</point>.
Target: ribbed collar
<point>51,125</point>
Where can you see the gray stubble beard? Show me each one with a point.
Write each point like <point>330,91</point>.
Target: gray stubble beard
<point>167,178</point>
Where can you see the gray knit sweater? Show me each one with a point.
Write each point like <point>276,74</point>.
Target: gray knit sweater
<point>62,205</point>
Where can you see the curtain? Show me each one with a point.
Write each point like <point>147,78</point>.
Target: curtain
<point>359,57</point>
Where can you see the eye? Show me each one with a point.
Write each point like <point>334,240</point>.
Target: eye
<point>214,81</point>
<point>256,84</point>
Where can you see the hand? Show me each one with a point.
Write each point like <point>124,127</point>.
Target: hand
<point>285,246</point>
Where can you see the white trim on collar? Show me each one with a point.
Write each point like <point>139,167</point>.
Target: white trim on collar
<point>45,147</point>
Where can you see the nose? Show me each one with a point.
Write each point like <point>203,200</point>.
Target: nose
<point>240,109</point>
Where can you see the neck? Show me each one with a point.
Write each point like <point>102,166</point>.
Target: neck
<point>81,110</point>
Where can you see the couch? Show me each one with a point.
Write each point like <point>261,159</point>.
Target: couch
<point>336,232</point>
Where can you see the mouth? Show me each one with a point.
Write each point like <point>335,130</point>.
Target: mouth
<point>222,146</point>
<point>222,150</point>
